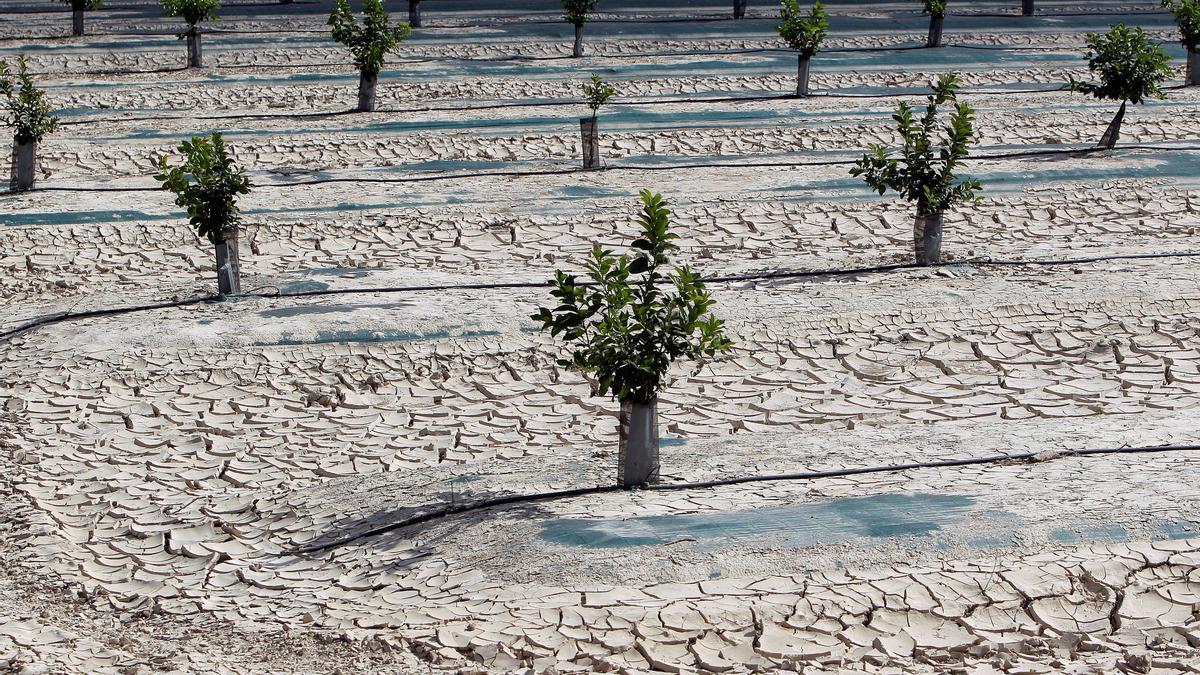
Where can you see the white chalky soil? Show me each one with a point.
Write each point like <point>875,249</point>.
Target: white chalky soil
<point>166,474</point>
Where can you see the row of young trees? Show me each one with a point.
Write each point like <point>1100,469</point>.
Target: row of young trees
<point>805,33</point>
<point>636,314</point>
<point>1131,69</point>
<point>370,41</point>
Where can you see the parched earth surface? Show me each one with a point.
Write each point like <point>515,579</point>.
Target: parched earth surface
<point>224,486</point>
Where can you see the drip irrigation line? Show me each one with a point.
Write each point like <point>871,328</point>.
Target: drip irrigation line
<point>560,103</point>
<point>62,317</point>
<point>738,278</point>
<point>731,278</point>
<point>1073,152</point>
<point>558,57</point>
<point>1015,48</point>
<point>1000,15</point>
<point>484,504</point>
<point>566,57</point>
<point>1077,152</point>
<point>966,92</point>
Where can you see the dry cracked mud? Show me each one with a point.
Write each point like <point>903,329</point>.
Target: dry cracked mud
<point>222,486</point>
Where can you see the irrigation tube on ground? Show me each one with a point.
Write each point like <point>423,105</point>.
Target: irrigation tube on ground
<point>562,103</point>
<point>731,278</point>
<point>739,480</point>
<point>617,168</point>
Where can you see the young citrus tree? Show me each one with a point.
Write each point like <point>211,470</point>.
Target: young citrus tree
<point>804,34</point>
<point>1187,17</point>
<point>936,9</point>
<point>28,113</point>
<point>577,13</point>
<point>369,42</point>
<point>78,7</point>
<point>1131,69</point>
<point>924,172</point>
<point>192,12</point>
<point>629,325</point>
<point>595,94</point>
<point>207,184</point>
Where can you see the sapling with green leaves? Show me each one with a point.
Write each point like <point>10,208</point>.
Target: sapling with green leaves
<point>207,184</point>
<point>78,7</point>
<point>1131,69</point>
<point>924,173</point>
<point>193,12</point>
<point>595,94</point>
<point>369,43</point>
<point>29,114</point>
<point>578,12</point>
<point>936,9</point>
<point>805,34</point>
<point>1187,17</point>
<point>635,319</point>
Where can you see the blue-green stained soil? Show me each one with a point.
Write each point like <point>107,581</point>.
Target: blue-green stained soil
<point>940,521</point>
<point>887,515</point>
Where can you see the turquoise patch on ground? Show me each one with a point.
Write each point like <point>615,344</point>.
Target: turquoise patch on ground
<point>886,515</point>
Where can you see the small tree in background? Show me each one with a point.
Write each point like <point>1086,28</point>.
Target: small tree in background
<point>596,94</point>
<point>207,184</point>
<point>803,33</point>
<point>369,43</point>
<point>28,113</point>
<point>739,9</point>
<point>630,326</point>
<point>936,9</point>
<point>924,173</point>
<point>1131,69</point>
<point>1027,7</point>
<point>78,7</point>
<point>192,12</point>
<point>1187,17</point>
<point>414,13</point>
<point>578,13</point>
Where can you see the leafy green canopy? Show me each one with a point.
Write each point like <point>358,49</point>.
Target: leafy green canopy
<point>924,172</point>
<point>578,11</point>
<point>207,185</point>
<point>193,12</point>
<point>633,321</point>
<point>1187,16</point>
<point>597,93</point>
<point>935,8</point>
<point>1130,66</point>
<point>370,41</point>
<point>88,5</point>
<point>803,33</point>
<point>25,106</point>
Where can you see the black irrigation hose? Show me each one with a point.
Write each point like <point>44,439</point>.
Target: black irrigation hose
<point>565,57</point>
<point>740,480</point>
<point>732,278</point>
<point>1074,152</point>
<point>94,313</point>
<point>559,103</point>
<point>994,15</point>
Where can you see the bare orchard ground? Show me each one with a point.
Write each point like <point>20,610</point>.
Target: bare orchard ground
<point>217,487</point>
